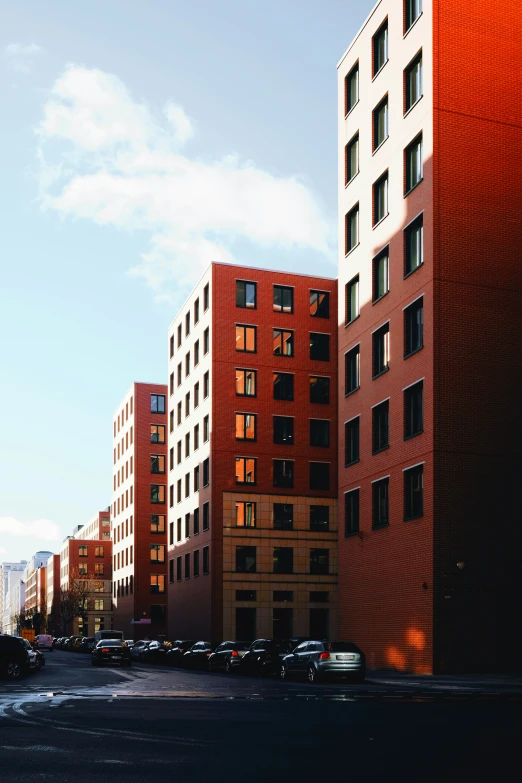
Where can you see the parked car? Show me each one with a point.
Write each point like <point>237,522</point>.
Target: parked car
<point>75,643</point>
<point>316,660</point>
<point>112,651</point>
<point>264,656</point>
<point>156,652</point>
<point>176,652</point>
<point>36,657</point>
<point>138,649</point>
<point>44,641</point>
<point>227,656</point>
<point>87,644</point>
<point>197,656</point>
<point>14,657</point>
<point>60,644</point>
<point>129,642</point>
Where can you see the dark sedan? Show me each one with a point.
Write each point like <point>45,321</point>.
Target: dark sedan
<point>198,655</point>
<point>14,657</point>
<point>112,651</point>
<point>178,649</point>
<point>227,656</point>
<point>264,656</point>
<point>156,652</point>
<point>87,644</point>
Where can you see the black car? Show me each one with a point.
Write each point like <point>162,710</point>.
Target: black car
<point>227,656</point>
<point>156,652</point>
<point>36,657</point>
<point>265,655</point>
<point>176,652</point>
<point>112,651</point>
<point>198,655</point>
<point>87,644</point>
<point>14,657</point>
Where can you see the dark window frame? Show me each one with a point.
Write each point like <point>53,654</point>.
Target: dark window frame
<point>282,308</point>
<point>322,308</point>
<point>282,422</point>
<point>381,503</point>
<point>410,474</point>
<point>244,328</point>
<point>351,77</point>
<point>352,441</point>
<point>380,427</point>
<point>382,256</point>
<point>352,503</point>
<point>278,335</point>
<point>245,371</point>
<point>241,294</point>
<point>413,410</point>
<point>414,327</point>
<point>381,350</point>
<point>352,370</point>
<point>284,376</point>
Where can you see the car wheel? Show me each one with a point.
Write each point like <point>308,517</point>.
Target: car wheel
<point>313,674</point>
<point>284,674</point>
<point>14,670</point>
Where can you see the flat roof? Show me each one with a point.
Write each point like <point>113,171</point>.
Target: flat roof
<point>360,30</point>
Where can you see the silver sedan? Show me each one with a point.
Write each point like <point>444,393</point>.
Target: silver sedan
<point>316,660</point>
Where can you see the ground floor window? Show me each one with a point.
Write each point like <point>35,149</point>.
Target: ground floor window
<point>282,621</point>
<point>245,624</point>
<point>319,624</point>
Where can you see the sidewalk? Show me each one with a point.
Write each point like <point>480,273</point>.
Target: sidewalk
<point>482,683</point>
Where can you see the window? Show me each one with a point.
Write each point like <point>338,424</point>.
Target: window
<point>352,370</point>
<point>171,388</point>
<point>196,353</point>
<point>178,529</point>
<point>178,493</point>
<point>380,199</point>
<point>351,441</point>
<point>319,432</point>
<point>171,533</point>
<point>380,414</point>
<point>187,444</point>
<point>245,426</point>
<point>82,569</point>
<point>413,493</point>
<point>246,595</point>
<point>82,551</point>
<point>206,472</point>
<point>206,340</point>
<point>179,412</point>
<point>98,551</point>
<point>380,123</point>
<point>380,503</point>
<point>380,48</point>
<point>187,324</point>
<point>179,567</point>
<point>351,159</point>
<point>179,335</point>
<point>157,583</point>
<point>351,89</point>
<point>283,516</point>
<point>412,11</point>
<point>196,311</point>
<point>413,405</point>
<point>245,559</point>
<point>381,350</point>
<point>157,493</point>
<point>283,429</point>
<point>187,565</point>
<point>171,421</point>
<point>380,275</point>
<point>413,83</point>
<point>413,164</point>
<point>319,390</point>
<point>187,485</point>
<point>178,450</point>
<point>171,571</point>
<point>196,394</point>
<point>98,604</point>
<point>246,338</point>
<point>180,374</point>
<point>157,403</point>
<point>283,299</point>
<point>196,478</point>
<point>413,327</point>
<point>171,342</point>
<point>283,470</point>
<point>157,463</point>
<point>246,383</point>
<point>206,297</point>
<point>351,300</point>
<point>351,229</point>
<point>351,512</point>
<point>320,519</point>
<point>246,294</point>
<point>413,246</point>
<point>245,470</point>
<point>206,560</point>
<point>206,516</point>
<point>245,514</point>
<point>206,429</point>
<point>283,560</point>
<point>157,553</point>
<point>319,304</point>
<point>319,561</point>
<point>320,475</point>
<point>320,346</point>
<point>282,595</point>
<point>196,521</point>
<point>99,569</point>
<point>283,342</point>
<point>319,597</point>
<point>283,386</point>
<point>157,433</point>
<point>187,525</point>
<point>196,563</point>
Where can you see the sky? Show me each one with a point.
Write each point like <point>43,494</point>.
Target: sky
<point>139,142</point>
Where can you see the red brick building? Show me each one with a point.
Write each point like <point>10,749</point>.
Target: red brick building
<point>53,595</point>
<point>253,456</point>
<point>138,512</point>
<point>430,541</point>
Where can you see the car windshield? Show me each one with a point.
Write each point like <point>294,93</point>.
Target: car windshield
<point>241,645</point>
<point>341,647</point>
<point>110,643</point>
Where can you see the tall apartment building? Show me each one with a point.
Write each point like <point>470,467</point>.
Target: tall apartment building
<point>253,457</point>
<point>5,569</point>
<point>138,512</point>
<point>86,573</point>
<point>53,620</point>
<point>430,541</point>
<point>36,596</point>
<point>14,601</point>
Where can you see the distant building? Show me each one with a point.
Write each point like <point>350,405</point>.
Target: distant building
<point>5,568</point>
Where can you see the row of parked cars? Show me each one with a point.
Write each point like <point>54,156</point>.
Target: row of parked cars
<point>83,644</point>
<point>18,657</point>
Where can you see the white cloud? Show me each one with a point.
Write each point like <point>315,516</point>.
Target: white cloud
<point>106,157</point>
<point>40,529</point>
<point>20,57</point>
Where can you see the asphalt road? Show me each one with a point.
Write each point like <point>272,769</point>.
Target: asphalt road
<point>138,725</point>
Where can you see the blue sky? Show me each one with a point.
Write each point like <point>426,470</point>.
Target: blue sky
<point>140,141</point>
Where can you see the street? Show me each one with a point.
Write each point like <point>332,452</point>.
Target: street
<point>72,722</point>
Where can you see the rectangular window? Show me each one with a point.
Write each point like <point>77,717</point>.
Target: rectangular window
<point>99,569</point>
<point>196,353</point>
<point>246,595</point>
<point>180,374</point>
<point>171,387</point>
<point>413,493</point>
<point>319,390</point>
<point>283,516</point>
<point>196,478</point>
<point>283,384</point>
<point>246,426</point>
<point>196,563</point>
<point>179,567</point>
<point>178,449</point>
<point>351,159</point>
<point>187,444</point>
<point>320,519</point>
<point>319,432</point>
<point>98,551</point>
<point>246,383</point>
<point>319,561</point>
<point>83,551</point>
<point>245,514</point>
<point>171,342</point>
<point>196,394</point>
<point>380,415</point>
<point>187,525</point>
<point>413,164</point>
<point>351,89</point>
<point>206,560</point>
<point>187,324</point>
<point>178,498</point>
<point>413,83</point>
<point>380,123</point>
<point>157,463</point>
<point>380,48</point>
<point>412,11</point>
<point>171,571</point>
<point>206,472</point>
<point>179,412</point>
<point>283,473</point>
<point>246,338</point>
<point>282,595</point>
<point>187,485</point>
<point>381,350</point>
<point>187,404</point>
<point>320,304</point>
<point>180,334</point>
<point>171,421</point>
<point>283,560</point>
<point>82,569</point>
<point>351,441</point>
<point>413,410</point>
<point>380,275</point>
<point>380,199</point>
<point>414,327</point>
<point>157,523</point>
<point>351,229</point>
<point>351,512</point>
<point>246,294</point>
<point>320,346</point>
<point>245,470</point>
<point>157,403</point>
<point>178,529</point>
<point>157,493</point>
<point>196,311</point>
<point>206,516</point>
<point>98,604</point>
<point>380,503</point>
<point>206,340</point>
<point>283,341</point>
<point>171,533</point>
<point>283,429</point>
<point>206,297</point>
<point>351,300</point>
<point>195,517</point>
<point>352,370</point>
<point>283,299</point>
<point>245,559</point>
<point>157,583</point>
<point>196,437</point>
<point>320,475</point>
<point>413,246</point>
<point>157,433</point>
<point>157,553</point>
<point>206,429</point>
